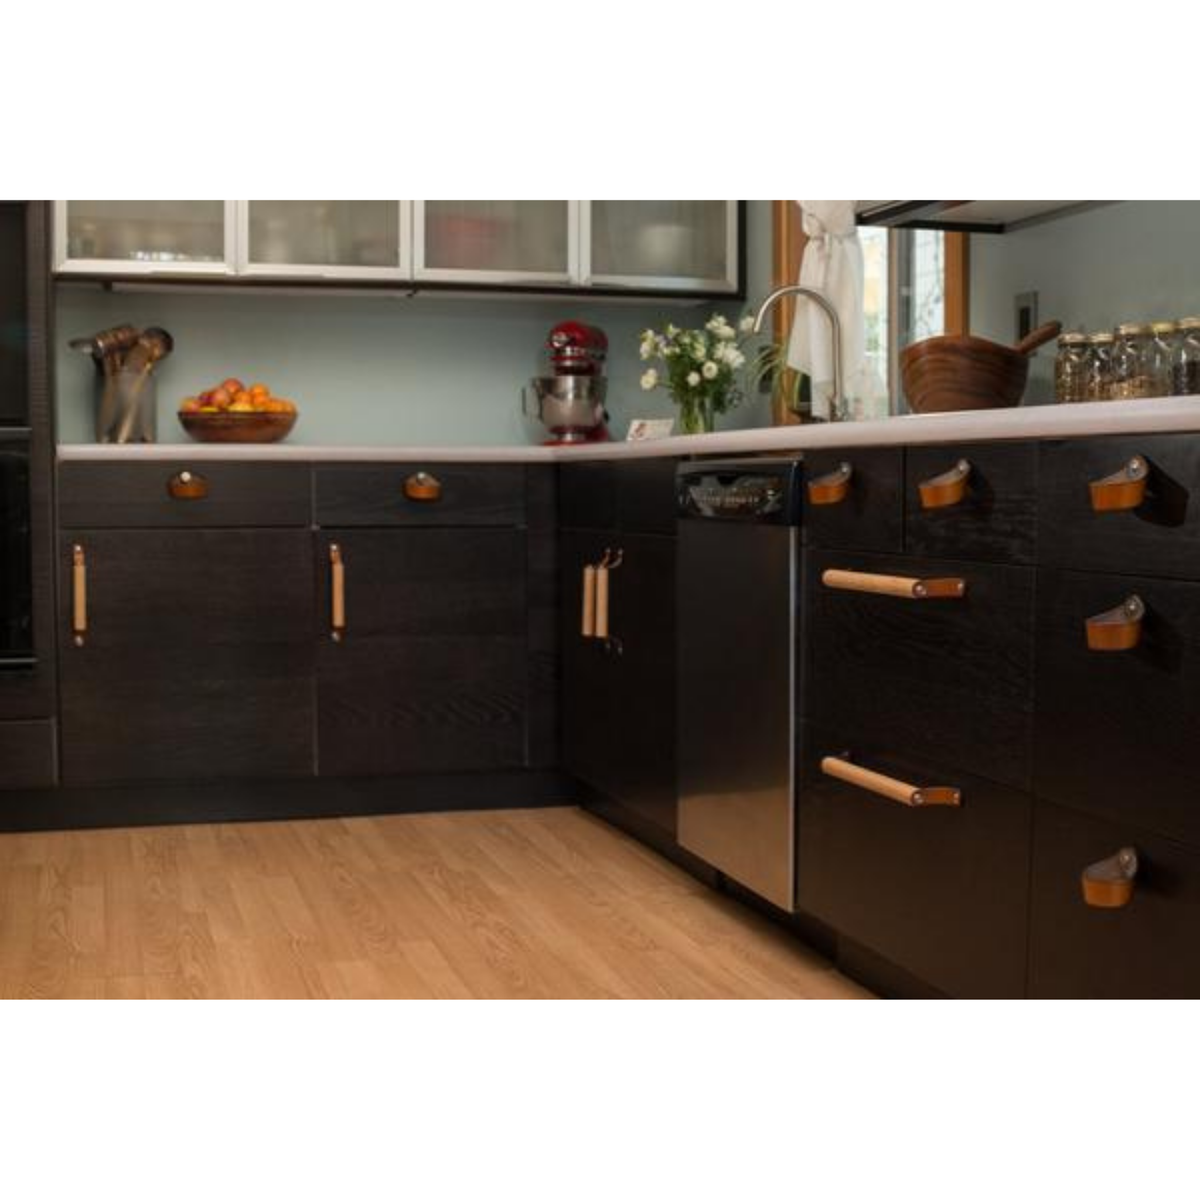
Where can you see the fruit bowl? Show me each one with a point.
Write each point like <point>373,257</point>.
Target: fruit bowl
<point>238,426</point>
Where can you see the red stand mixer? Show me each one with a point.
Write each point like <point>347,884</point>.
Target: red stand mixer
<point>570,400</point>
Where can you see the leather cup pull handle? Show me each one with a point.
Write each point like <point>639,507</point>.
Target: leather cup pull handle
<point>187,485</point>
<point>903,587</point>
<point>1109,882</point>
<point>946,489</point>
<point>1118,628</point>
<point>1123,489</point>
<point>831,488</point>
<point>423,487</point>
<point>908,794</point>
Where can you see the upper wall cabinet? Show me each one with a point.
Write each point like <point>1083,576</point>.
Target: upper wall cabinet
<point>324,239</point>
<point>145,237</point>
<point>655,247</point>
<point>685,245</point>
<point>517,242</point>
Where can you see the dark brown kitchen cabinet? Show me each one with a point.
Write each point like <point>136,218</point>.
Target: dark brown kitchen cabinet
<point>637,496</point>
<point>939,889</point>
<point>1143,949</point>
<point>430,672</point>
<point>618,692</point>
<point>187,654</point>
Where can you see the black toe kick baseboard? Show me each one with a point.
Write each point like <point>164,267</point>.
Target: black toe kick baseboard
<point>277,800</point>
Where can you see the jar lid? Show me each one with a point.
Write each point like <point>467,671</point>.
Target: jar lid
<point>1072,339</point>
<point>1164,326</point>
<point>1100,338</point>
<point>1188,323</point>
<point>1132,329</point>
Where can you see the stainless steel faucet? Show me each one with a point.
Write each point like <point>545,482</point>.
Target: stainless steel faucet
<point>835,334</point>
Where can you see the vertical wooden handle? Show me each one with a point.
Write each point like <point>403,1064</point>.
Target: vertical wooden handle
<point>1123,489</point>
<point>600,628</point>
<point>587,622</point>
<point>337,598</point>
<point>1109,882</point>
<point>79,621</point>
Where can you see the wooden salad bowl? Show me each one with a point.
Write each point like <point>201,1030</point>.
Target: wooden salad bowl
<point>238,427</point>
<point>955,373</point>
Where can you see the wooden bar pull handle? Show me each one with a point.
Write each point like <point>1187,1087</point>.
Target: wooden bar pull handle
<point>587,621</point>
<point>187,486</point>
<point>1123,489</point>
<point>902,586</point>
<point>1109,882</point>
<point>832,487</point>
<point>604,568</point>
<point>908,794</point>
<point>337,596</point>
<point>423,487</point>
<point>1119,628</point>
<point>79,618</point>
<point>946,489</point>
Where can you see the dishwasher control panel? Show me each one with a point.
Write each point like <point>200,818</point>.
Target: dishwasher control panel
<point>764,492</point>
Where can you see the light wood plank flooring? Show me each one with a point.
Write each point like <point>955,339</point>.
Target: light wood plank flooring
<point>528,903</point>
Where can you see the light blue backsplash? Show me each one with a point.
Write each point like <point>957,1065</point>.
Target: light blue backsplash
<point>1131,261</point>
<point>381,370</point>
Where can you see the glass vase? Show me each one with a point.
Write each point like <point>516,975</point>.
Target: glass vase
<point>696,414</point>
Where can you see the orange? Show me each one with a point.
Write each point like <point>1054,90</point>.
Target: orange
<point>260,389</point>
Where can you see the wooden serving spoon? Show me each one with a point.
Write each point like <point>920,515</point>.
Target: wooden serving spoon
<point>1038,337</point>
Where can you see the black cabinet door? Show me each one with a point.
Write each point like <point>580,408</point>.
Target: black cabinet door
<point>618,695</point>
<point>197,660</point>
<point>941,891</point>
<point>868,513</point>
<point>431,672</point>
<point>1147,949</point>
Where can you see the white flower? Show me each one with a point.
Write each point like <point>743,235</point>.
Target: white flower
<point>693,379</point>
<point>722,352</point>
<point>699,349</point>
<point>735,358</point>
<point>649,380</point>
<point>709,370</point>
<point>746,324</point>
<point>672,330</point>
<point>716,323</point>
<point>647,349</point>
<point>727,333</point>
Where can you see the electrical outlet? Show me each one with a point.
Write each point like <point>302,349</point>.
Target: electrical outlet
<point>1025,312</point>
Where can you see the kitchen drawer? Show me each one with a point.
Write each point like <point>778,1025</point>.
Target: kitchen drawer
<point>390,494</point>
<point>950,679</point>
<point>133,495</point>
<point>862,512</point>
<point>633,497</point>
<point>1146,949</point>
<point>1159,536</point>
<point>28,754</point>
<point>995,519</point>
<point>939,890</point>
<point>1115,732</point>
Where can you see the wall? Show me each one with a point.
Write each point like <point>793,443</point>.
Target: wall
<point>1134,260</point>
<point>382,370</point>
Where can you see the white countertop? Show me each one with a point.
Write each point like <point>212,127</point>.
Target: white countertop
<point>1173,414</point>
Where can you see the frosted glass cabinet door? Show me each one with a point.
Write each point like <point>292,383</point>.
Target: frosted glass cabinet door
<point>496,241</point>
<point>144,237</point>
<point>685,245</point>
<point>324,239</point>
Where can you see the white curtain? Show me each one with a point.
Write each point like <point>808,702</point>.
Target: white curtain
<point>833,265</point>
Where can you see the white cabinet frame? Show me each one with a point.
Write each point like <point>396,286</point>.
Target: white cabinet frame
<point>130,267</point>
<point>666,283</point>
<point>517,278</point>
<point>401,271</point>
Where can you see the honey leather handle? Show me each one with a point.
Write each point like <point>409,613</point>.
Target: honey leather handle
<point>1038,337</point>
<point>187,485</point>
<point>908,794</point>
<point>1109,882</point>
<point>609,563</point>
<point>587,619</point>
<point>1123,489</point>
<point>423,487</point>
<point>337,593</point>
<point>832,487</point>
<point>946,489</point>
<point>1118,628</point>
<point>903,586</point>
<point>79,605</point>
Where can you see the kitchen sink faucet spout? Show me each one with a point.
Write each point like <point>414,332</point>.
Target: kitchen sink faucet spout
<point>835,333</point>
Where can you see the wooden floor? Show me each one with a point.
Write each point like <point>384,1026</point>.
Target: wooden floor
<point>530,903</point>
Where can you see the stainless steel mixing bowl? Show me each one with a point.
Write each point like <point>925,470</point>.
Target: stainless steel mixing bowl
<point>570,406</point>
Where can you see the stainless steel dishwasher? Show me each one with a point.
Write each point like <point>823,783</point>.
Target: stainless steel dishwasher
<point>737,601</point>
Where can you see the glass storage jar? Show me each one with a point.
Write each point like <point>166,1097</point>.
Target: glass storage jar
<point>1130,375</point>
<point>1098,369</point>
<point>1070,368</point>
<point>1185,362</point>
<point>1160,356</point>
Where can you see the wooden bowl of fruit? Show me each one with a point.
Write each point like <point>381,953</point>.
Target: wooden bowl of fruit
<point>232,412</point>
